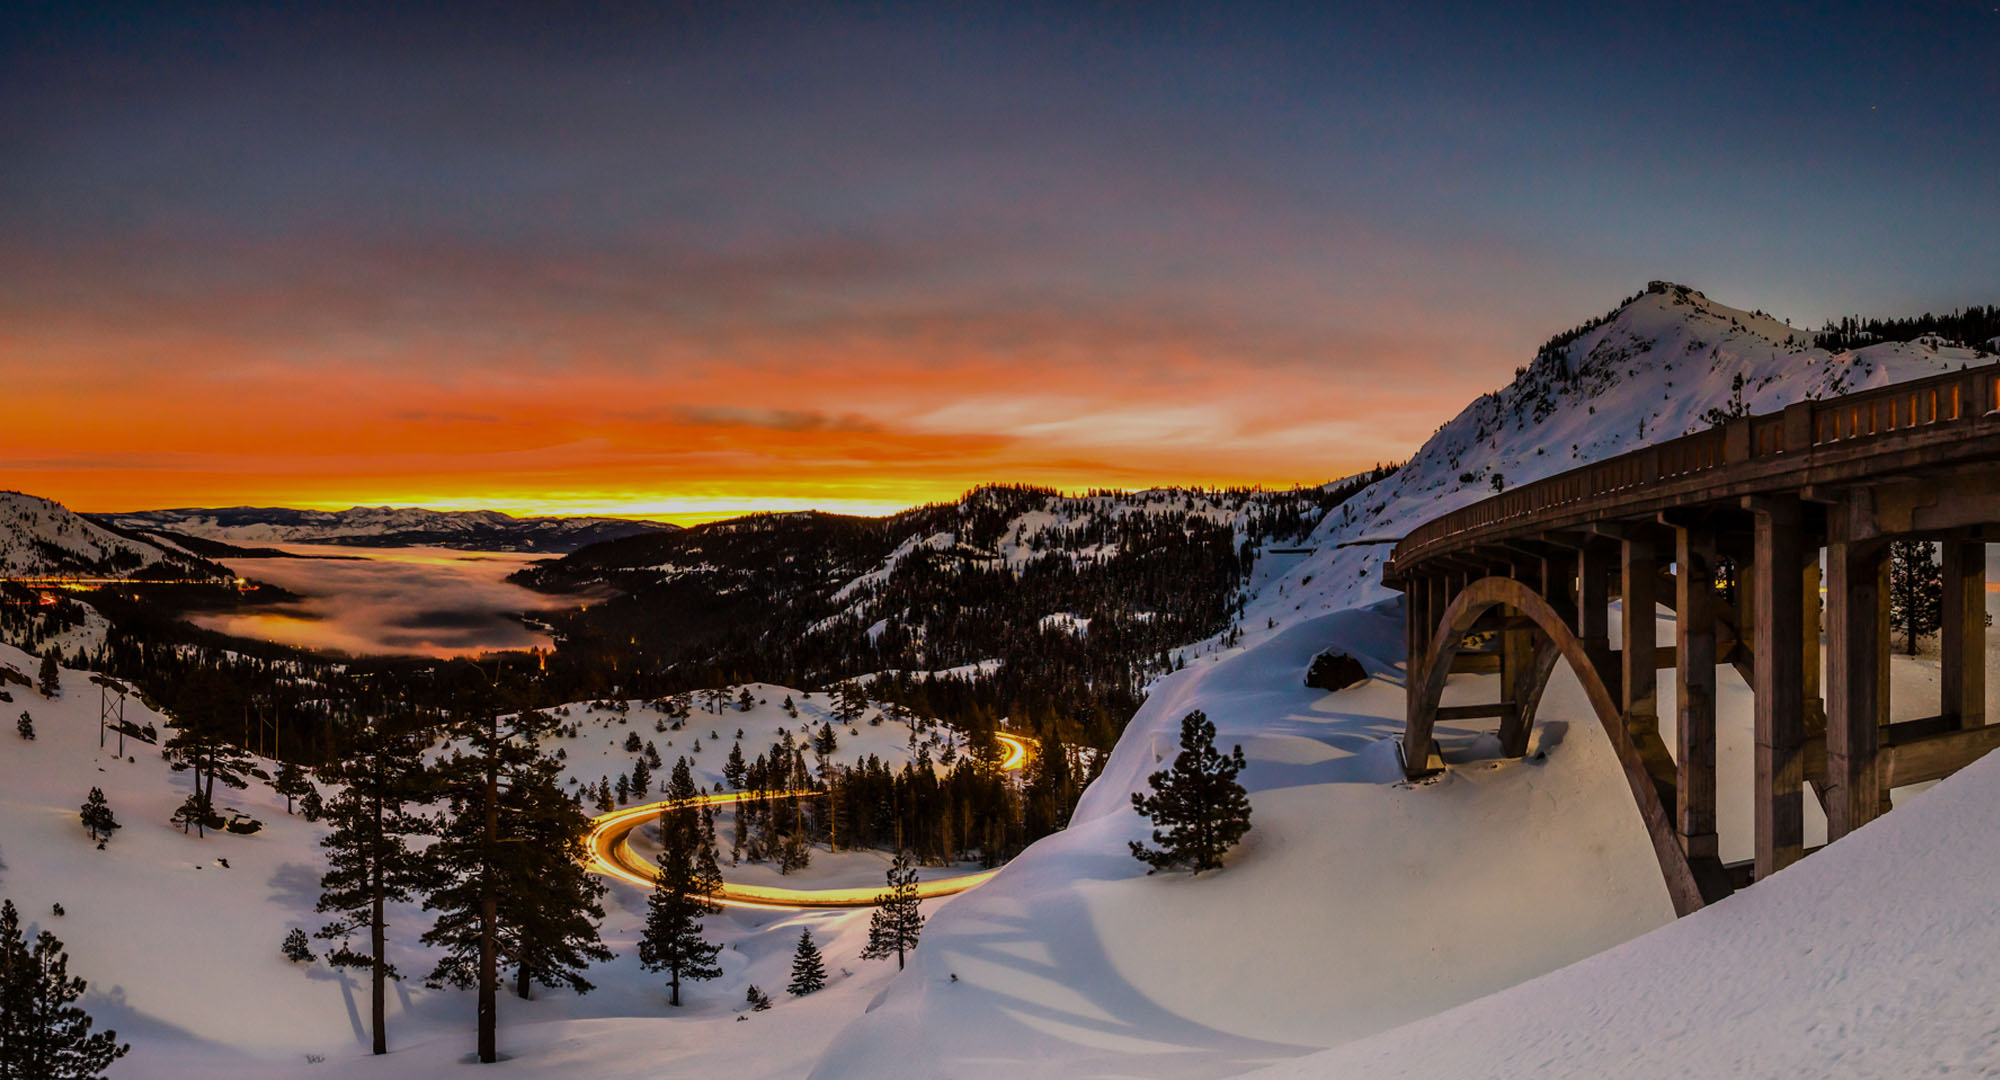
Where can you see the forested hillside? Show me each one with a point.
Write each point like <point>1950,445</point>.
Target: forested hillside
<point>1049,610</point>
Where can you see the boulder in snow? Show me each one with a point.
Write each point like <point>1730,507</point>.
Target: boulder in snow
<point>1333,670</point>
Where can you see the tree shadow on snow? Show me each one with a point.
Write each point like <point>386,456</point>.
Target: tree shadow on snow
<point>111,1011</point>
<point>295,885</point>
<point>1101,1019</point>
<point>348,984</point>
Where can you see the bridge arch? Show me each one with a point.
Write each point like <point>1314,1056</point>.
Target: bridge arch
<point>1649,769</point>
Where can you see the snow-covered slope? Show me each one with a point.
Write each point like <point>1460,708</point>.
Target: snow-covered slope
<point>388,526</point>
<point>178,936</point>
<point>1358,902</point>
<point>1878,957</point>
<point>41,537</point>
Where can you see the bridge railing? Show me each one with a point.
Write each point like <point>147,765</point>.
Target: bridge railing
<point>1951,398</point>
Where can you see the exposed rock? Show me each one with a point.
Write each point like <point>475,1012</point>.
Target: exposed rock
<point>1335,671</point>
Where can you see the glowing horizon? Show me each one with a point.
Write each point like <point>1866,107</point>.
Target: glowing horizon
<point>687,265</point>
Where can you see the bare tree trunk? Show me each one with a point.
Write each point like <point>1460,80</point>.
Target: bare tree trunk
<point>378,993</point>
<point>489,910</point>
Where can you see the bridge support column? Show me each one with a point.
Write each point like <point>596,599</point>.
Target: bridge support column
<point>1593,617</point>
<point>1417,626</point>
<point>1962,642</point>
<point>1559,584</point>
<point>1809,632</point>
<point>1856,596</point>
<point>1639,569</point>
<point>1526,689</point>
<point>1696,610</point>
<point>1779,813</point>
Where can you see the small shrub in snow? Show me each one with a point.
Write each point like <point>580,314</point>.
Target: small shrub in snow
<point>97,817</point>
<point>296,948</point>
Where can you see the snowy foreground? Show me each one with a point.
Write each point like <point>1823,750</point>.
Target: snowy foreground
<point>182,956</point>
<point>1878,957</point>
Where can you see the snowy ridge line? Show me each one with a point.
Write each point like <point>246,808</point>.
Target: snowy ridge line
<point>1938,403</point>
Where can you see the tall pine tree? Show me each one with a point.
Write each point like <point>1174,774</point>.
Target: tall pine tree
<point>207,704</point>
<point>896,924</point>
<point>370,864</point>
<point>508,881</point>
<point>1051,788</point>
<point>682,891</point>
<point>43,1035</point>
<point>552,928</point>
<point>1198,809</point>
<point>50,681</point>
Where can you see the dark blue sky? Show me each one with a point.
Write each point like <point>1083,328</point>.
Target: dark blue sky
<point>1120,203</point>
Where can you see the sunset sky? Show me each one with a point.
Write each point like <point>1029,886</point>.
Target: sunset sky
<point>684,265</point>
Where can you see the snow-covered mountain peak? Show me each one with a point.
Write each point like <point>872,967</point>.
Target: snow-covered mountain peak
<point>1666,362</point>
<point>41,537</point>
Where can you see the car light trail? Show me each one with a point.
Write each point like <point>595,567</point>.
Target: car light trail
<point>609,852</point>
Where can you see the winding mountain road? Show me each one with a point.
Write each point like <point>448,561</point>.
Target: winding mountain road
<point>610,853</point>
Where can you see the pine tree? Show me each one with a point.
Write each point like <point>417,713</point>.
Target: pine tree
<point>553,926</point>
<point>733,770</point>
<point>624,789</point>
<point>642,779</point>
<point>757,999</point>
<point>43,1035</point>
<point>370,864</point>
<point>97,817</point>
<point>25,726</point>
<point>744,702</point>
<point>825,742</point>
<point>291,782</point>
<point>1916,591</point>
<point>808,969</point>
<point>1198,809</point>
<point>198,748</point>
<point>680,784</point>
<point>194,812</point>
<point>311,806</point>
<point>50,682</point>
<point>508,876</point>
<point>1051,791</point>
<point>896,924</point>
<point>632,743</point>
<point>849,703</point>
<point>687,879</point>
<point>297,949</point>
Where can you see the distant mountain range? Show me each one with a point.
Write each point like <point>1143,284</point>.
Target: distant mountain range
<point>383,526</point>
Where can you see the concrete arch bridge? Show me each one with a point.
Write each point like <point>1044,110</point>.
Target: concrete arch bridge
<point>1730,528</point>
